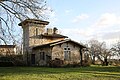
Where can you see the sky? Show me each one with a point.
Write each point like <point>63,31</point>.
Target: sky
<point>83,20</point>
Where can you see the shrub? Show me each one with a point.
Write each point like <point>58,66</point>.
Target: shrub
<point>6,63</point>
<point>74,64</point>
<point>18,60</point>
<point>114,62</point>
<point>13,60</point>
<point>56,63</point>
<point>86,63</point>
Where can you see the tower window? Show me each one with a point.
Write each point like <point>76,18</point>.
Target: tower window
<point>36,31</point>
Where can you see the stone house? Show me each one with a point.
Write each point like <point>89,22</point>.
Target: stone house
<point>7,50</point>
<point>41,45</point>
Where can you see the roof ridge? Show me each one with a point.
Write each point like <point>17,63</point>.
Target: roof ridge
<point>59,42</point>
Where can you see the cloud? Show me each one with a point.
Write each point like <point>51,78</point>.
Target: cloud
<point>107,20</point>
<point>111,35</point>
<point>53,19</point>
<point>68,11</point>
<point>80,18</point>
<point>105,28</point>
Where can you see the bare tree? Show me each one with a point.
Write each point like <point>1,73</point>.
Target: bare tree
<point>14,11</point>
<point>98,50</point>
<point>93,49</point>
<point>116,49</point>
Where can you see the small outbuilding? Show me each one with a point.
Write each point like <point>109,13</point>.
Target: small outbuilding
<point>7,50</point>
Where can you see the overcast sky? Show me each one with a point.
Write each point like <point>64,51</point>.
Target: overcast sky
<point>83,20</point>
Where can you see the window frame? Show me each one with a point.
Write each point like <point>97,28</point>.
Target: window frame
<point>36,30</point>
<point>42,56</point>
<point>67,53</point>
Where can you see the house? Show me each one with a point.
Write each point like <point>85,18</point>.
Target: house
<point>7,50</point>
<point>41,45</point>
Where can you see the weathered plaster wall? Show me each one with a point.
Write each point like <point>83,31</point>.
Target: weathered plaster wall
<point>58,52</point>
<point>34,30</point>
<point>47,52</point>
<point>7,51</point>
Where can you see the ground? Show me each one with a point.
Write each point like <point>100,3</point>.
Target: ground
<point>43,73</point>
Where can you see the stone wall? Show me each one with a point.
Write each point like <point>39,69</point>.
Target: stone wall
<point>7,51</point>
<point>58,52</point>
<point>38,61</point>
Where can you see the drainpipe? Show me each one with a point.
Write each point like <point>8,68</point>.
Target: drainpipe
<point>81,57</point>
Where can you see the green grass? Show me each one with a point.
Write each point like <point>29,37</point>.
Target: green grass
<point>43,73</point>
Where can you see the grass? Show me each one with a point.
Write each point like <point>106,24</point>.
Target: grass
<point>43,73</point>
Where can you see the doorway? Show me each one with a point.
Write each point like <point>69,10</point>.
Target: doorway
<point>33,58</point>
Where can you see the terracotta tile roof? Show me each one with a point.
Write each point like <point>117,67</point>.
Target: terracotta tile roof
<point>49,36</point>
<point>7,46</point>
<point>58,42</point>
<point>54,35</point>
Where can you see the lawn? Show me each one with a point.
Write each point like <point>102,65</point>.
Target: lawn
<point>43,73</point>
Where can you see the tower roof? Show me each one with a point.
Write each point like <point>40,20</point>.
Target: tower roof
<point>36,21</point>
<point>7,46</point>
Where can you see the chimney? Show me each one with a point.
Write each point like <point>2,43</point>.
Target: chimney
<point>49,31</point>
<point>55,30</point>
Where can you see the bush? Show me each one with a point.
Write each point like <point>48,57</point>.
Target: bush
<point>74,64</point>
<point>56,63</point>
<point>13,60</point>
<point>5,59</point>
<point>114,62</point>
<point>6,64</point>
<point>86,63</point>
<point>19,63</point>
<point>18,60</point>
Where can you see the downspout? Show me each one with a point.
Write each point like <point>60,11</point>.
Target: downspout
<point>81,58</point>
<point>51,52</point>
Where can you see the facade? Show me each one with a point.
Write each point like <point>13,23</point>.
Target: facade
<point>7,50</point>
<point>41,45</point>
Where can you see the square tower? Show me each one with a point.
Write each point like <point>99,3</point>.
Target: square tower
<point>31,29</point>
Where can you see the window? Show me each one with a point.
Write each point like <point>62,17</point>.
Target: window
<point>68,49</point>
<point>67,53</point>
<point>65,49</point>
<point>36,31</point>
<point>42,56</point>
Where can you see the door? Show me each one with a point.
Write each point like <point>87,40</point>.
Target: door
<point>33,58</point>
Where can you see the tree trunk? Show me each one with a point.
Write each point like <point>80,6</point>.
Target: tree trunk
<point>93,60</point>
<point>105,63</point>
